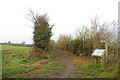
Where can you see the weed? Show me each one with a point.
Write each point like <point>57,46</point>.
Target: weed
<point>98,71</point>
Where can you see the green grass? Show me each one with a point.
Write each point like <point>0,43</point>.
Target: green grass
<point>52,66</point>
<point>13,49</point>
<point>52,53</point>
<point>99,71</point>
<point>45,71</point>
<point>11,62</point>
<point>0,62</point>
<point>91,70</point>
<point>50,69</point>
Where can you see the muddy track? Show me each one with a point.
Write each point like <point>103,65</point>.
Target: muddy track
<point>67,72</point>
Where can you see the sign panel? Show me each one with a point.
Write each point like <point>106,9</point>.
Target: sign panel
<point>98,52</point>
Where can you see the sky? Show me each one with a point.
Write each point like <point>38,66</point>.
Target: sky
<point>67,15</point>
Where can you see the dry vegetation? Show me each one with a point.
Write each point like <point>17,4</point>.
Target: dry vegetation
<point>87,40</point>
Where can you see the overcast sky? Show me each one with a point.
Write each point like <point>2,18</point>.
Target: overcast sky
<point>67,15</point>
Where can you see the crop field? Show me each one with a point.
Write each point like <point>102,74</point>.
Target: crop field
<point>13,49</point>
<point>12,58</point>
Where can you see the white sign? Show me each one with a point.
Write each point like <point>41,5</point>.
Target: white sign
<point>98,52</point>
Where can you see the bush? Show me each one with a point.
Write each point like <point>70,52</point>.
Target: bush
<point>36,52</point>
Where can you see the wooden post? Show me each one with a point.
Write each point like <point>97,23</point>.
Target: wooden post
<point>106,51</point>
<point>93,59</point>
<point>102,61</point>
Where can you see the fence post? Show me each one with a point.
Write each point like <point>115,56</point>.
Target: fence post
<point>106,49</point>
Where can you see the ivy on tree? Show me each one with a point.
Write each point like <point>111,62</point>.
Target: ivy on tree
<point>42,30</point>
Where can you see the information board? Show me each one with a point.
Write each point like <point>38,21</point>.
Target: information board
<point>98,52</point>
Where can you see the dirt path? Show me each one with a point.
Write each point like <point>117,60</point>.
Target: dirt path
<point>67,72</point>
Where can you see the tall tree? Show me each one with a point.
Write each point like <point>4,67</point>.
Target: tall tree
<point>42,30</point>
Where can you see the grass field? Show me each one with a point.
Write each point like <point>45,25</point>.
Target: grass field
<point>11,62</point>
<point>13,49</point>
<point>15,63</point>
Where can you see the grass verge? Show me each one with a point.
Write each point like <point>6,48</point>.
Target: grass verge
<point>99,71</point>
<point>92,70</point>
<point>45,71</point>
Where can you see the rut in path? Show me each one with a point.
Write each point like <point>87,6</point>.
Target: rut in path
<point>67,72</point>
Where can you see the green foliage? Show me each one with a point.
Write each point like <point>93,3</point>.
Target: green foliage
<point>26,61</point>
<point>42,31</point>
<point>77,46</point>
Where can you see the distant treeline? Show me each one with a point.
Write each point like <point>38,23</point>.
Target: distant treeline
<point>17,44</point>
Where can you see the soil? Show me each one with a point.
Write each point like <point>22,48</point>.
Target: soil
<point>6,52</point>
<point>67,72</point>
